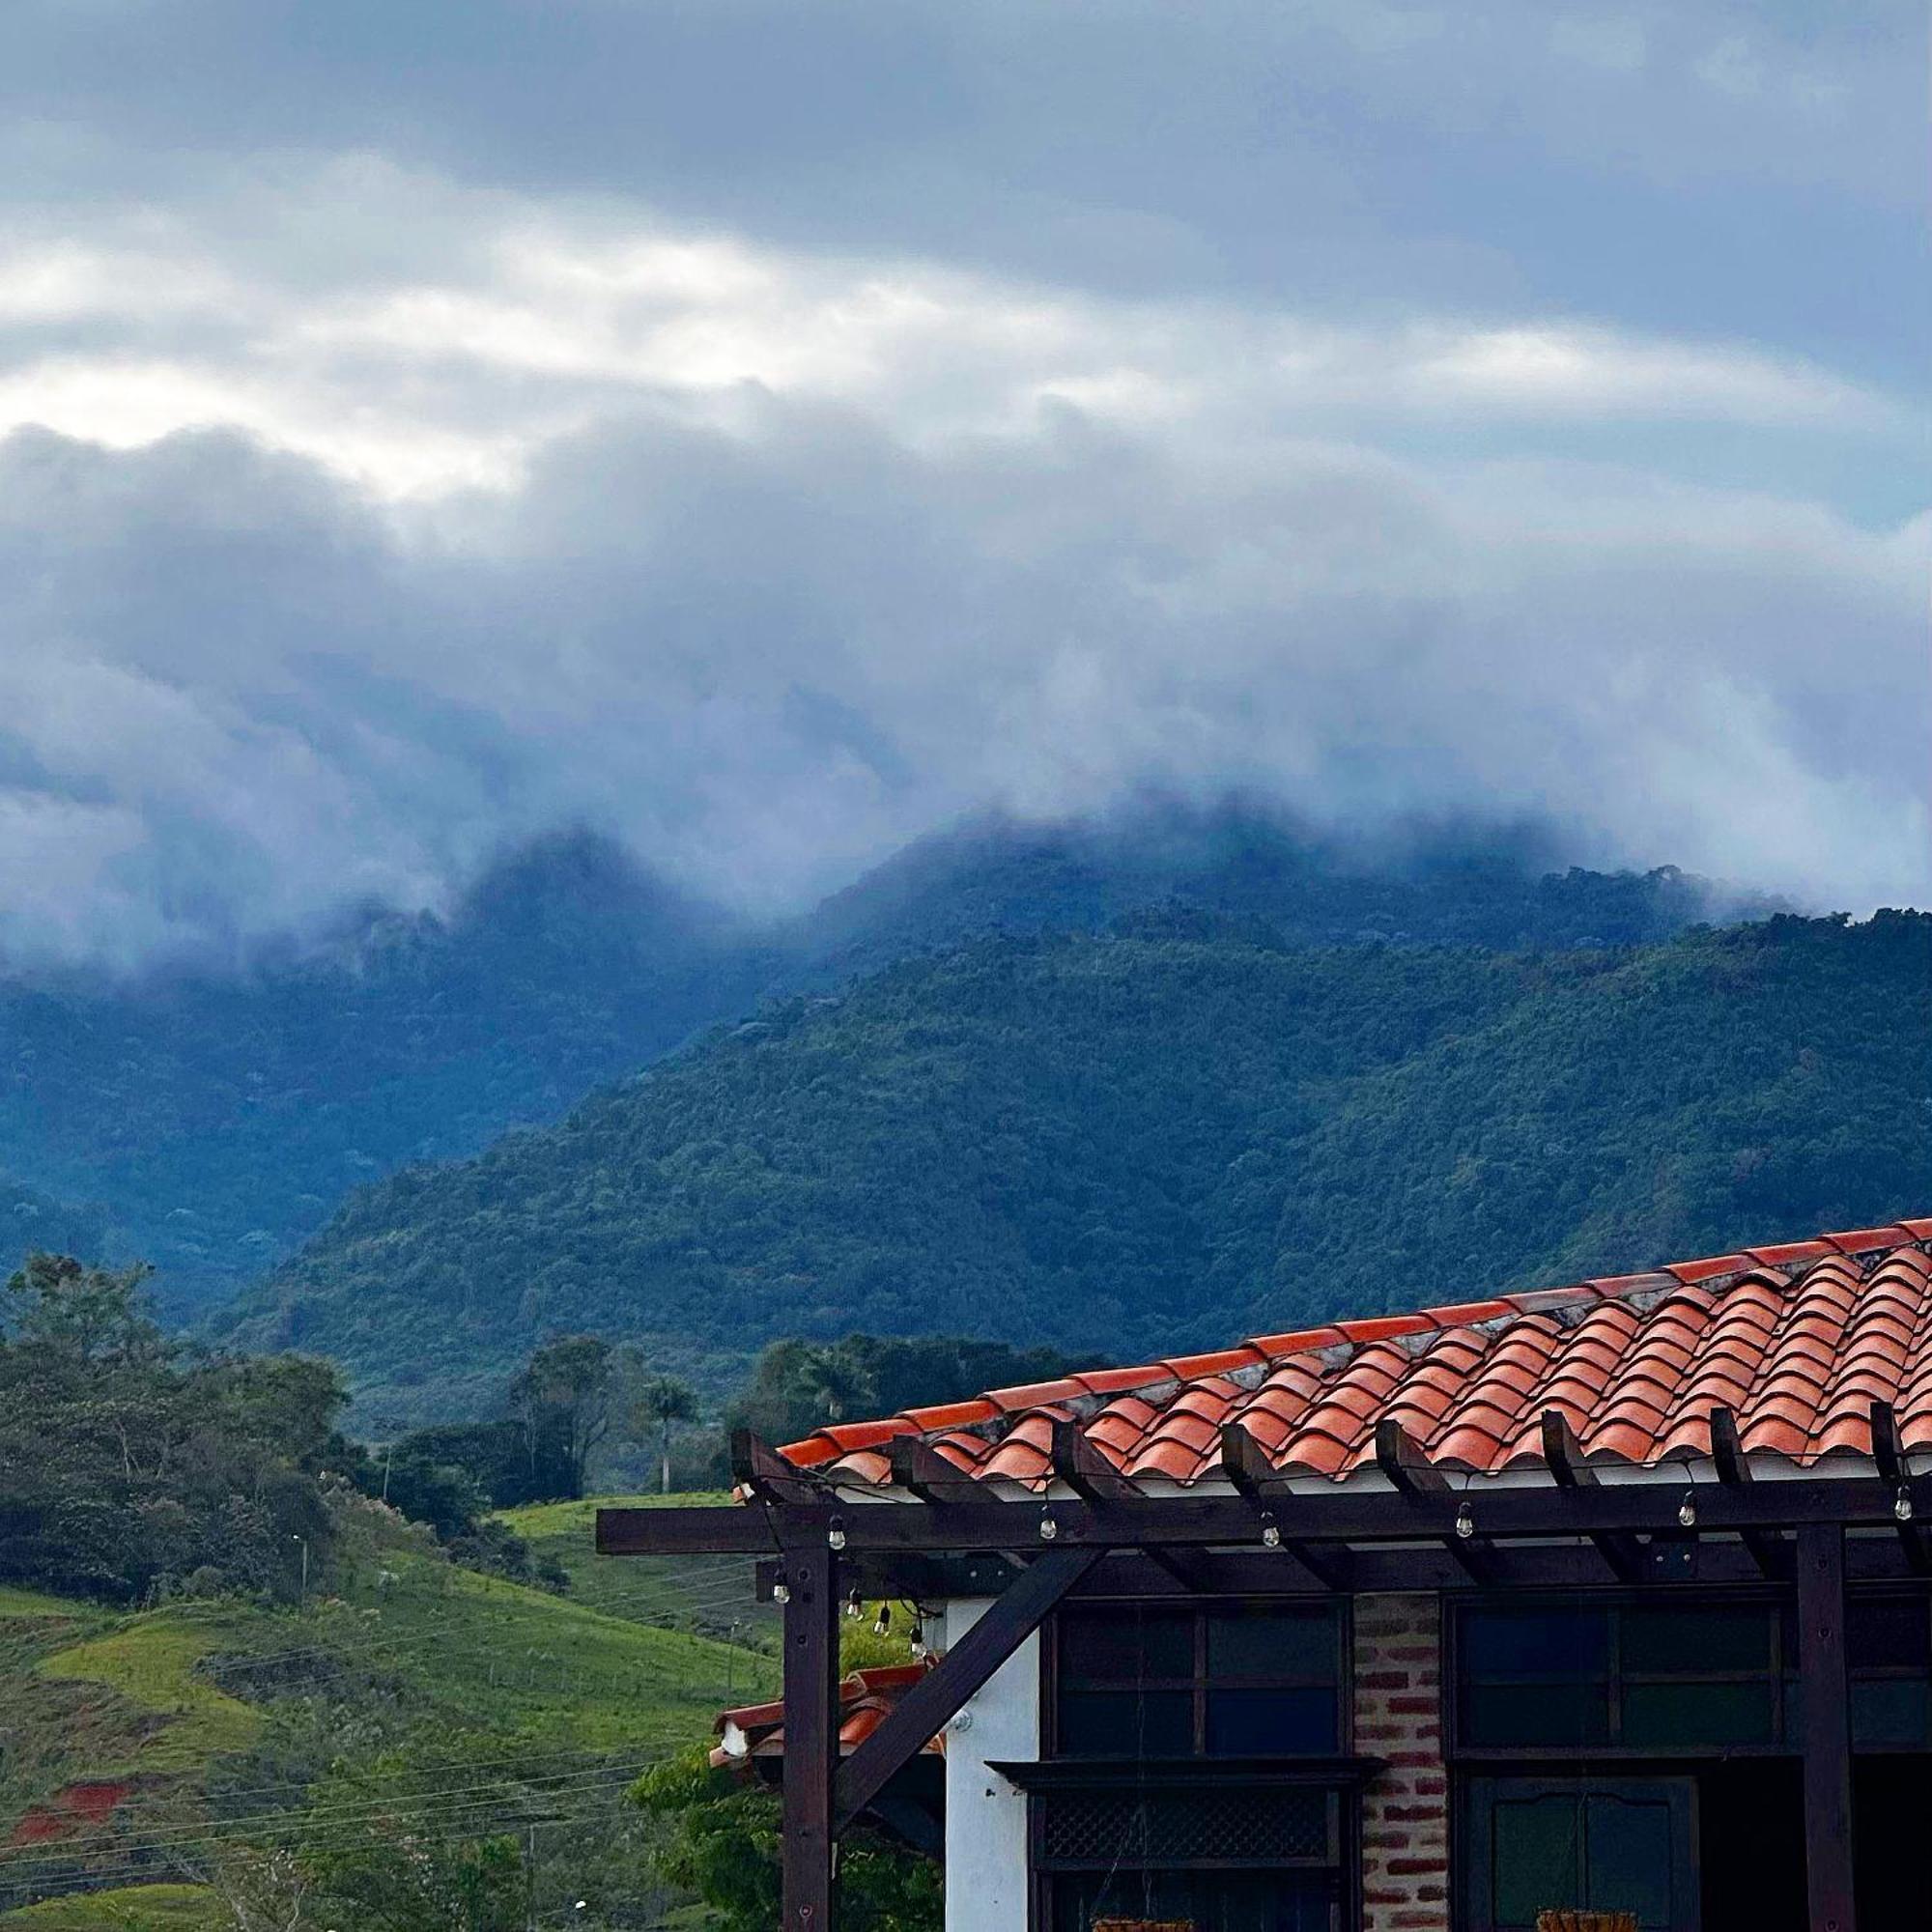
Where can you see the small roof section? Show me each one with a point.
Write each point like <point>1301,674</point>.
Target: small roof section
<point>1796,1339</point>
<point>756,1731</point>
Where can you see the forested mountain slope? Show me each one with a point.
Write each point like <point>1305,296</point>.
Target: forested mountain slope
<point>219,1117</point>
<point>1134,1144</point>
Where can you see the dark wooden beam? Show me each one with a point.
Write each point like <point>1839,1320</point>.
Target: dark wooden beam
<point>921,1470</point>
<point>810,1737</point>
<point>1727,1452</point>
<point>1889,1452</point>
<point>1084,1469</point>
<point>931,1703</point>
<point>1245,1463</point>
<point>764,1474</point>
<point>1344,1514</point>
<point>1564,1455</point>
<point>1252,1572</point>
<point>1400,1457</point>
<point>1827,1728</point>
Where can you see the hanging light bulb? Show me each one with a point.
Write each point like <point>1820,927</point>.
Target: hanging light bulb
<point>834,1534</point>
<point>1048,1528</point>
<point>917,1636</point>
<point>1465,1521</point>
<point>1270,1531</point>
<point>855,1608</point>
<point>780,1589</point>
<point>1687,1510</point>
<point>883,1622</point>
<point>1901,1504</point>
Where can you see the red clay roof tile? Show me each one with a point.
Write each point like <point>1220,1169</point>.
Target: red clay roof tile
<point>1636,1363</point>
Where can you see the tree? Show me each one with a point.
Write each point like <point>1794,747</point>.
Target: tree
<point>80,1311</point>
<point>724,1847</point>
<point>663,1400</point>
<point>567,1400</point>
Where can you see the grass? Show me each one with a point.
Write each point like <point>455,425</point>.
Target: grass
<point>409,1662</point>
<point>151,1660</point>
<point>707,1596</point>
<point>135,1908</point>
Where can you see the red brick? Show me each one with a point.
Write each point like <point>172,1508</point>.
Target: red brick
<point>1418,1867</point>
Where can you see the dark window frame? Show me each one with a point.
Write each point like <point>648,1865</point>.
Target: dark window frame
<point>1198,1685</point>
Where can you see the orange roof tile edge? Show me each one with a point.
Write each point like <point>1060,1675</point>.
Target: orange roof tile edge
<point>1636,1362</point>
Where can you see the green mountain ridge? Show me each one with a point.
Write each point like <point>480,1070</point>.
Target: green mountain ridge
<point>219,1116</point>
<point>1161,1139</point>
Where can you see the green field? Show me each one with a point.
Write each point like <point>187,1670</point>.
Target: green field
<point>409,1690</point>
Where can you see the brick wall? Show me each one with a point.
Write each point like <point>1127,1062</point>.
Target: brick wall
<point>1399,1717</point>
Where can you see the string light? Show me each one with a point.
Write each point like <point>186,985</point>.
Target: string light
<point>1048,1528</point>
<point>834,1534</point>
<point>780,1589</point>
<point>1687,1510</point>
<point>855,1609</point>
<point>883,1622</point>
<point>1901,1504</point>
<point>917,1634</point>
<point>1465,1521</point>
<point>1270,1531</point>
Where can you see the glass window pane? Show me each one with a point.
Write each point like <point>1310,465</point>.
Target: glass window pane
<point>1124,1646</point>
<point>1556,1642</point>
<point>1887,1632</point>
<point>1697,1713</point>
<point>1272,1723</point>
<point>1536,1714</point>
<point>1697,1640</point>
<point>1891,1711</point>
<point>1272,1643</point>
<point>1536,1854</point>
<point>1627,1857</point>
<point>1126,1723</point>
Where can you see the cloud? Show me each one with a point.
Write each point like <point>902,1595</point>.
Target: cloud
<point>766,433</point>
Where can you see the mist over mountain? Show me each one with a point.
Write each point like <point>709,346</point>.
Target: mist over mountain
<point>1126,1145</point>
<point>219,1116</point>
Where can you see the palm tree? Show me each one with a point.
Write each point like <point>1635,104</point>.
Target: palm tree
<point>665,1400</point>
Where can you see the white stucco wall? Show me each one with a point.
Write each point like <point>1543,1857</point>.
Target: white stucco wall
<point>985,1816</point>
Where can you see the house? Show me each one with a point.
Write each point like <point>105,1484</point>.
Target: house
<point>1614,1596</point>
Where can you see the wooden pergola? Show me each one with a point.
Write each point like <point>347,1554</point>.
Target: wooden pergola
<point>939,1534</point>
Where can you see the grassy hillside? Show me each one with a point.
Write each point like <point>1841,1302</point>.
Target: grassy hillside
<point>151,1757</point>
<point>1134,1144</point>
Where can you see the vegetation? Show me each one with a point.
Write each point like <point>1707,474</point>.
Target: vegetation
<point>389,1757</point>
<point>217,1113</point>
<point>1138,1143</point>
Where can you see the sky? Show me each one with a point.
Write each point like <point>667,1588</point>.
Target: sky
<point>768,432</point>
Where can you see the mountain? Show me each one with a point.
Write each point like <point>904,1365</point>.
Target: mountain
<point>219,1117</point>
<point>1134,1144</point>
<point>1456,884</point>
<point>221,1114</point>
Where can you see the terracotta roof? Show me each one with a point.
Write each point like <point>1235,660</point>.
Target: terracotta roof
<point>864,1696</point>
<point>1796,1339</point>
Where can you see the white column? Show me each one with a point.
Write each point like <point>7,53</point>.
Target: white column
<point>985,1816</point>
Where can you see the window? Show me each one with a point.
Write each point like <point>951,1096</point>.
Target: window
<point>1653,1676</point>
<point>1231,1681</point>
<point>1889,1649</point>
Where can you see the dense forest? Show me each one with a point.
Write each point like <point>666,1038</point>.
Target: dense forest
<point>1165,1137</point>
<point>208,1119</point>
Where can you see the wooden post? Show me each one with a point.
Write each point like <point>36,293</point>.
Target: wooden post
<point>1827,1729</point>
<point>811,1736</point>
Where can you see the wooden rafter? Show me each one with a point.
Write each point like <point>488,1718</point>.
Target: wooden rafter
<point>1086,1472</point>
<point>1400,1457</point>
<point>1564,1455</point>
<point>1889,1453</point>
<point>1766,1548</point>
<point>1246,1465</point>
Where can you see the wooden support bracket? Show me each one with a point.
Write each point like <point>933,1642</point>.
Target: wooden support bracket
<point>1766,1548</point>
<point>1401,1459</point>
<point>1564,1454</point>
<point>1246,1465</point>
